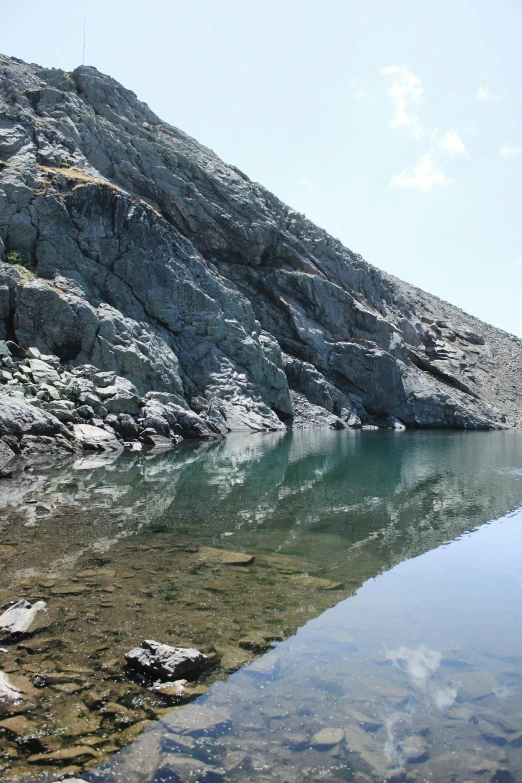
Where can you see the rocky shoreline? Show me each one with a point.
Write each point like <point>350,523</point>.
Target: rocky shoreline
<point>46,408</point>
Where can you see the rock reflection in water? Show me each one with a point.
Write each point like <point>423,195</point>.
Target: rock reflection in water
<point>114,550</point>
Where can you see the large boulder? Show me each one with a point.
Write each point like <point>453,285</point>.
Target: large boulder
<point>18,418</point>
<point>164,662</point>
<point>95,439</point>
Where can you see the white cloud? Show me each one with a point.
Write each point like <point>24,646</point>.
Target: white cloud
<point>305,183</point>
<point>425,175</point>
<point>484,94</point>
<point>451,142</point>
<point>510,152</point>
<point>405,93</point>
<point>356,90</point>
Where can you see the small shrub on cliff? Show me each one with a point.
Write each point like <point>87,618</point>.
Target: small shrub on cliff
<point>15,259</point>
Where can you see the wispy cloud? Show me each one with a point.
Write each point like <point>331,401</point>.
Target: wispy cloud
<point>406,94</point>
<point>425,175</point>
<point>356,90</point>
<point>305,183</point>
<point>507,151</point>
<point>484,93</point>
<point>451,142</point>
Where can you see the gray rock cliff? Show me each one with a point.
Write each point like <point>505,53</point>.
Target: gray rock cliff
<point>127,246</point>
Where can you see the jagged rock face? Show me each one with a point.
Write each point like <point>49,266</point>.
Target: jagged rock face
<point>152,258</point>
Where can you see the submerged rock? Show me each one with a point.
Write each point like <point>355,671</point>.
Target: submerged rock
<point>223,556</point>
<point>327,738</point>
<point>163,661</point>
<point>64,756</point>
<point>200,720</point>
<point>19,726</point>
<point>174,767</point>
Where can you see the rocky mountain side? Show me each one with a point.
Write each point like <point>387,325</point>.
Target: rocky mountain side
<point>129,248</point>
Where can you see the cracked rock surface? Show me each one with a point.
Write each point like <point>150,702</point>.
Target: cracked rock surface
<point>127,246</point>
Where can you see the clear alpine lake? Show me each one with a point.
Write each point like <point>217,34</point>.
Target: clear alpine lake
<point>374,637</point>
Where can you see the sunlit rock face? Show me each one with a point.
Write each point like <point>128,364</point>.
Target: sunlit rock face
<point>129,246</point>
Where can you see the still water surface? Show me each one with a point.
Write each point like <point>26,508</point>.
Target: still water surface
<point>388,563</point>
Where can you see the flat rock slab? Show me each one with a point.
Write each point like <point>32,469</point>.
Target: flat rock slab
<point>473,686</point>
<point>175,690</point>
<point>232,658</point>
<point>200,721</point>
<point>163,661</point>
<point>368,751</point>
<point>256,642</point>
<point>19,617</point>
<point>327,738</point>
<point>19,726</point>
<point>95,439</point>
<point>315,582</point>
<point>223,556</point>
<point>64,756</point>
<point>174,767</point>
<point>76,589</point>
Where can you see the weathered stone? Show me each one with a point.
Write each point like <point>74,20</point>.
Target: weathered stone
<point>327,738</point>
<point>19,726</point>
<point>64,756</point>
<point>232,658</point>
<point>177,743</point>
<point>163,661</point>
<point>369,753</point>
<point>41,644</point>
<point>464,766</point>
<point>43,445</point>
<point>126,426</point>
<point>223,556</point>
<point>18,418</point>
<point>315,582</point>
<point>176,768</point>
<point>175,690</point>
<point>70,589</point>
<point>475,685</point>
<point>6,455</point>
<point>366,723</point>
<point>200,720</point>
<point>236,762</point>
<point>95,439</point>
<point>414,750</point>
<point>256,642</point>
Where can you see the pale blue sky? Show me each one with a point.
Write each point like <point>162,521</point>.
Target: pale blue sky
<point>394,124</point>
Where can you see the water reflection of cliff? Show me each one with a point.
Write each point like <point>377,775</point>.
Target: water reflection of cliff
<point>351,503</point>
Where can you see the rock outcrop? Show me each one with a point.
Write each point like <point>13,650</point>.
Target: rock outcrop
<point>129,248</point>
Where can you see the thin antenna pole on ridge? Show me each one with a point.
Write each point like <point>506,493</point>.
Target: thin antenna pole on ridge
<point>83,59</point>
